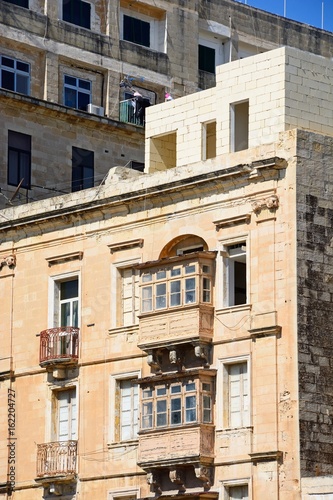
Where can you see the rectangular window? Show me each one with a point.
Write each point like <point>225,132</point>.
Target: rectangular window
<point>77,92</point>
<point>21,3</point>
<point>77,12</point>
<point>14,75</point>
<point>235,281</point>
<point>129,278</point>
<point>19,159</point>
<point>176,404</point>
<point>136,31</point>
<point>238,492</point>
<point>237,394</point>
<point>128,395</point>
<point>82,169</point>
<point>66,302</point>
<point>239,126</point>
<point>206,59</point>
<point>66,415</point>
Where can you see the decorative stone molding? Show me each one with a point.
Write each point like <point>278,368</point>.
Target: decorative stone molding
<point>58,259</point>
<point>232,221</point>
<point>272,203</point>
<point>177,476</point>
<point>204,474</point>
<point>153,479</point>
<point>125,245</point>
<point>154,361</point>
<point>266,456</point>
<point>265,331</point>
<point>9,261</point>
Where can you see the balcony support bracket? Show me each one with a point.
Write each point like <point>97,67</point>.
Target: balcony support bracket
<point>177,476</point>
<point>202,351</point>
<point>204,474</point>
<point>153,479</point>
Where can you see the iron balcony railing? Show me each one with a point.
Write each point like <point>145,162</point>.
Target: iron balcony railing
<point>59,345</point>
<point>56,459</point>
<point>127,113</point>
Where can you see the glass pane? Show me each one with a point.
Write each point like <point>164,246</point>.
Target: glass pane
<point>147,393</point>
<point>160,275</point>
<point>176,271</point>
<point>175,411</point>
<point>83,101</point>
<point>22,84</point>
<point>6,61</point>
<point>24,169</point>
<point>147,298</point>
<point>85,84</point>
<point>65,314</point>
<point>21,66</point>
<point>161,391</point>
<point>190,291</point>
<point>206,269</point>
<point>69,289</point>
<point>175,293</point>
<point>190,386</point>
<point>161,296</point>
<point>70,97</point>
<point>175,389</point>
<point>190,268</point>
<point>75,319</point>
<point>70,80</point>
<point>7,80</point>
<point>146,277</point>
<point>13,170</point>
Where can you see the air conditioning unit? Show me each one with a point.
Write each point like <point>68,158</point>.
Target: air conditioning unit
<point>95,110</point>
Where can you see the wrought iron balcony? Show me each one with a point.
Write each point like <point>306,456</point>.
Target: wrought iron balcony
<point>127,113</point>
<point>59,346</point>
<point>56,459</point>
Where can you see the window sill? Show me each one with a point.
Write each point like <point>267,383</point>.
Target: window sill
<point>131,329</point>
<point>231,309</point>
<point>230,430</point>
<point>131,443</point>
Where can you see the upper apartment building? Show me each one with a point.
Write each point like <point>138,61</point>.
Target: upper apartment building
<point>168,334</point>
<point>76,77</point>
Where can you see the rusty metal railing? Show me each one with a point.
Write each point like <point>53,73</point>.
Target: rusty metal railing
<point>57,458</point>
<point>59,344</point>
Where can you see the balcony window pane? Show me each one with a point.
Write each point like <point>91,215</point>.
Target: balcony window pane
<point>147,415</point>
<point>207,412</point>
<point>189,290</point>
<point>65,314</point>
<point>190,268</point>
<point>160,275</point>
<point>190,405</point>
<point>147,303</point>
<point>70,98</point>
<point>176,271</point>
<point>8,80</point>
<point>161,391</point>
<point>206,290</point>
<point>161,296</point>
<point>22,84</point>
<point>146,277</point>
<point>176,415</point>
<point>175,389</point>
<point>175,293</point>
<point>161,410</point>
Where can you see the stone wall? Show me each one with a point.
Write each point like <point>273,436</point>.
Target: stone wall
<point>315,308</point>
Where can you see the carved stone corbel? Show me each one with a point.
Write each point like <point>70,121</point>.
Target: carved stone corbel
<point>177,476</point>
<point>202,351</point>
<point>153,360</point>
<point>9,261</point>
<point>205,475</point>
<point>153,479</point>
<point>272,203</point>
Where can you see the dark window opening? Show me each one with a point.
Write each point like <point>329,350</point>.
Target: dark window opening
<point>20,3</point>
<point>137,165</point>
<point>82,169</point>
<point>137,31</point>
<point>240,283</point>
<point>77,12</point>
<point>14,75</point>
<point>206,59</point>
<point>19,159</point>
<point>77,92</point>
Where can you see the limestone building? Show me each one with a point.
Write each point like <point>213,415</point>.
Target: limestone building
<point>167,334</point>
<point>69,70</point>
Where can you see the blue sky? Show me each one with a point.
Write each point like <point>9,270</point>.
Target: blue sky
<point>304,11</point>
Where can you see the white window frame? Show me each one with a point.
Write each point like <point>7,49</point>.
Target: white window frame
<point>224,272</point>
<point>16,72</point>
<point>123,494</point>
<point>115,407</point>
<point>226,485</point>
<point>214,42</point>
<point>117,319</point>
<point>53,299</point>
<point>51,428</point>
<point>157,27</point>
<point>222,403</point>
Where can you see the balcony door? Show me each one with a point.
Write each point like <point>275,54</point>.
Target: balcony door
<point>67,415</point>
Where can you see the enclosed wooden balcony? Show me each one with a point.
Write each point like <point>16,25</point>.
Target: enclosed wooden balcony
<point>179,446</point>
<point>59,346</point>
<point>177,301</point>
<point>56,459</point>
